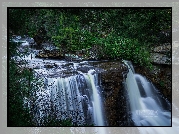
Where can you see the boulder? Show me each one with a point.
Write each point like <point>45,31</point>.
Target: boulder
<point>161,54</point>
<point>53,54</point>
<point>159,58</point>
<point>162,48</point>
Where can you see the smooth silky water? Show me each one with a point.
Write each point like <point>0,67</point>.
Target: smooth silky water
<point>64,92</point>
<point>148,107</point>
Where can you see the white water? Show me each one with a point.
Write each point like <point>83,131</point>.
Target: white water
<point>44,95</point>
<point>97,106</point>
<point>65,92</point>
<point>147,107</point>
<point>76,97</point>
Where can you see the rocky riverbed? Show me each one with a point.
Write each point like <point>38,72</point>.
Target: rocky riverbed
<point>111,75</point>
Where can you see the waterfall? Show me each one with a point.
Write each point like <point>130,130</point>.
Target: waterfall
<point>97,106</point>
<point>62,90</point>
<point>148,107</point>
<point>76,97</point>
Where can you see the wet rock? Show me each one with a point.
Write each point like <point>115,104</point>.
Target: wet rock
<point>161,54</point>
<point>160,58</point>
<point>113,91</point>
<point>84,69</point>
<point>72,57</point>
<point>162,48</point>
<point>160,77</point>
<point>54,54</point>
<point>161,73</point>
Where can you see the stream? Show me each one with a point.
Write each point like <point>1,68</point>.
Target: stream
<point>72,90</point>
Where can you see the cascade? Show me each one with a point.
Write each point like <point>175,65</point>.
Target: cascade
<point>65,91</point>
<point>77,97</point>
<point>147,105</point>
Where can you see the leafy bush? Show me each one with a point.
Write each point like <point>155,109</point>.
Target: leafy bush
<point>116,31</point>
<point>18,88</point>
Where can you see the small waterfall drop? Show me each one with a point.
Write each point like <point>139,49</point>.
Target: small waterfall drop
<point>97,106</point>
<point>147,106</point>
<point>76,97</point>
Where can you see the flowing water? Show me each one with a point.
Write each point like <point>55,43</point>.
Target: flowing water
<point>75,97</point>
<point>70,95</point>
<point>72,90</point>
<point>67,90</point>
<point>148,107</point>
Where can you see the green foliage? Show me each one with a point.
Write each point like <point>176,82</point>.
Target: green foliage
<point>162,84</point>
<point>51,122</point>
<point>121,33</point>
<point>18,88</point>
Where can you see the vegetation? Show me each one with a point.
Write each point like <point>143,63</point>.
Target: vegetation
<point>18,88</point>
<point>114,33</point>
<point>120,33</point>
